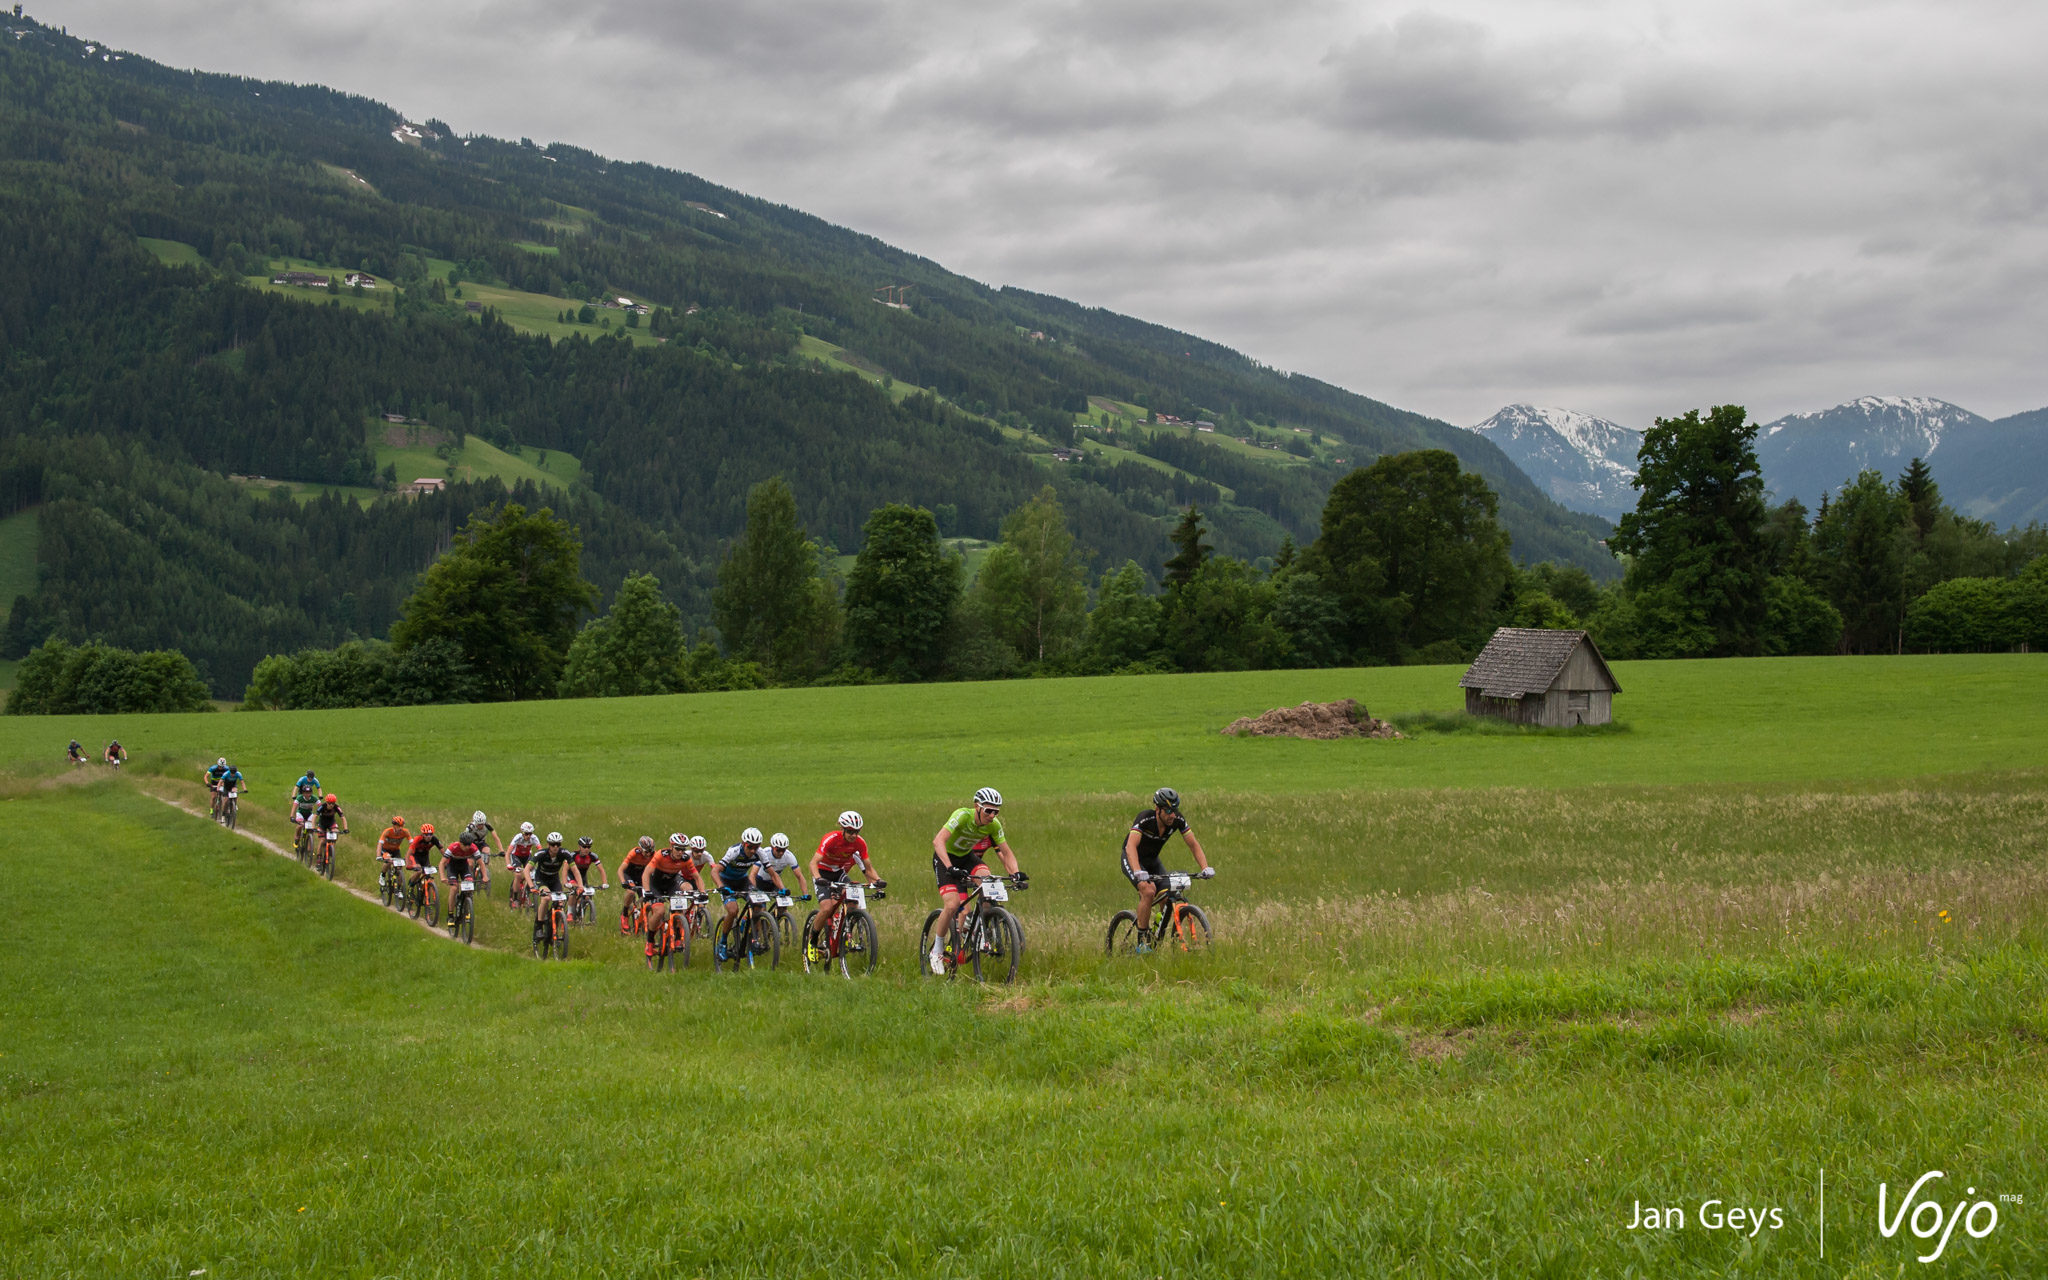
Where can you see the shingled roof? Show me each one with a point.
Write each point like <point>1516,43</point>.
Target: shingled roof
<point>1521,661</point>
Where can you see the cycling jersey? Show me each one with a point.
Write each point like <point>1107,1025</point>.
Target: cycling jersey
<point>479,834</point>
<point>548,860</point>
<point>740,858</point>
<point>231,780</point>
<point>392,841</point>
<point>966,836</point>
<point>423,847</point>
<point>328,816</point>
<point>584,859</point>
<point>213,775</point>
<point>522,847</point>
<point>636,862</point>
<point>664,872</point>
<point>1152,837</point>
<point>307,782</point>
<point>460,855</point>
<point>839,851</point>
<point>305,802</point>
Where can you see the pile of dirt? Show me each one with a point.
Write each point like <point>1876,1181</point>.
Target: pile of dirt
<point>1344,719</point>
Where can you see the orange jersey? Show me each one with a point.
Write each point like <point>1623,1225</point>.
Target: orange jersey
<point>392,840</point>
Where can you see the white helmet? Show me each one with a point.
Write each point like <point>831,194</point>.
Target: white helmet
<point>525,828</point>
<point>678,841</point>
<point>752,835</point>
<point>779,841</point>
<point>222,761</point>
<point>699,844</point>
<point>478,818</point>
<point>990,797</point>
<point>849,820</point>
<point>554,837</point>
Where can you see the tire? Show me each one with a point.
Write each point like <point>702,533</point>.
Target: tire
<point>722,940</point>
<point>542,944</point>
<point>1016,933</point>
<point>1194,930</point>
<point>784,930</point>
<point>327,860</point>
<point>1122,939</point>
<point>995,946</point>
<point>805,954</point>
<point>924,947</point>
<point>227,813</point>
<point>766,941</point>
<point>679,958</point>
<point>860,949</point>
<point>560,924</point>
<point>467,930</point>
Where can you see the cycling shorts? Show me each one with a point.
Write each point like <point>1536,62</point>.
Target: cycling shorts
<point>956,880</point>
<point>1151,866</point>
<point>663,883</point>
<point>828,882</point>
<point>733,881</point>
<point>630,874</point>
<point>552,883</point>
<point>460,868</point>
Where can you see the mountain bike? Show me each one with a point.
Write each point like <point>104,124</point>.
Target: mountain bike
<point>630,918</point>
<point>785,903</point>
<point>685,921</point>
<point>985,934</point>
<point>849,942</point>
<point>1177,924</point>
<point>521,893</point>
<point>214,787</point>
<point>583,905</point>
<point>391,879</point>
<point>551,926</point>
<point>423,898</point>
<point>230,807</point>
<point>462,911</point>
<point>323,863</point>
<point>302,840</point>
<point>750,937</point>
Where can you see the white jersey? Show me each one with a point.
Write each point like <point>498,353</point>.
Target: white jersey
<point>523,846</point>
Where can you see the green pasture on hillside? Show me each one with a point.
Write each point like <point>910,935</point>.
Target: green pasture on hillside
<point>172,253</point>
<point>477,459</point>
<point>1475,995</point>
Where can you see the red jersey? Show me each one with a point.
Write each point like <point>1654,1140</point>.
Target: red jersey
<point>839,851</point>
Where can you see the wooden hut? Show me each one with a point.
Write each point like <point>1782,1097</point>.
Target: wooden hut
<point>1542,677</point>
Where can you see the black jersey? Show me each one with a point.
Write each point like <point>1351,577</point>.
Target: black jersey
<point>548,862</point>
<point>1151,836</point>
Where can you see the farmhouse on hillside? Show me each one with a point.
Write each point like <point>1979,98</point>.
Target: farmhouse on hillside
<point>1541,677</point>
<point>301,279</point>
<point>425,484</point>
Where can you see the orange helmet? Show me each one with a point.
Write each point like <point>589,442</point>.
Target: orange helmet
<point>330,798</point>
<point>397,820</point>
<point>426,828</point>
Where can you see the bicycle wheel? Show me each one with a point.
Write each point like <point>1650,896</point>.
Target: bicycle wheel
<point>1122,939</point>
<point>859,947</point>
<point>679,953</point>
<point>541,941</point>
<point>924,946</point>
<point>995,946</point>
<point>725,945</point>
<point>560,927</point>
<point>810,942</point>
<point>327,861</point>
<point>784,929</point>
<point>468,924</point>
<point>228,813</point>
<point>1190,930</point>
<point>766,943</point>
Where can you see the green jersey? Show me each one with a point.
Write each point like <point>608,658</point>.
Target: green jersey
<point>964,834</point>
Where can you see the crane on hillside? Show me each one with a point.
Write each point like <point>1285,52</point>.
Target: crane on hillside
<point>893,295</point>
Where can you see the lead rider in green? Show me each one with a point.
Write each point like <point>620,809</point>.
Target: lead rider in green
<point>957,851</point>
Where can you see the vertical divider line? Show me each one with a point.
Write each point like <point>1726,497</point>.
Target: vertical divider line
<point>1823,1211</point>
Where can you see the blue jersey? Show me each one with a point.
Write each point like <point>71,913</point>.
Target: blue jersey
<point>308,782</point>
<point>231,779</point>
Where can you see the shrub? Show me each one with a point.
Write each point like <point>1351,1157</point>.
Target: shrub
<point>57,678</point>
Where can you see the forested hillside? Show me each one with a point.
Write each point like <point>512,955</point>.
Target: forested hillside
<point>148,358</point>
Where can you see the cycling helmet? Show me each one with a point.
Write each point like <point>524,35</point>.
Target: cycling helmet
<point>582,842</point>
<point>699,844</point>
<point>554,837</point>
<point>647,842</point>
<point>525,828</point>
<point>779,842</point>
<point>330,798</point>
<point>397,820</point>
<point>678,841</point>
<point>220,763</point>
<point>478,818</point>
<point>752,836</point>
<point>849,821</point>
<point>426,828</point>
<point>989,797</point>
<point>1166,798</point>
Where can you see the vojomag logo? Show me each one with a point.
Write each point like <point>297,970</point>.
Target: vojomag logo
<point>1929,1219</point>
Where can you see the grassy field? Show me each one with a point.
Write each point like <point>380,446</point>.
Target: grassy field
<point>476,460</point>
<point>172,253</point>
<point>1476,995</point>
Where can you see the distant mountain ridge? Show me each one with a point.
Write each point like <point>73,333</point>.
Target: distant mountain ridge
<point>1586,463</point>
<point>1996,471</point>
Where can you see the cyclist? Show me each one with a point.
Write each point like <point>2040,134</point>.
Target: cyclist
<point>666,870</point>
<point>1148,835</point>
<point>780,858</point>
<point>957,850</point>
<point>391,844</point>
<point>479,833</point>
<point>458,862</point>
<point>523,846</point>
<point>213,777</point>
<point>737,868</point>
<point>75,753</point>
<point>308,781</point>
<point>837,854</point>
<point>230,781</point>
<point>419,855</point>
<point>328,815</point>
<point>631,868</point>
<point>545,870</point>
<point>305,799</point>
<point>585,860</point>
<point>115,754</point>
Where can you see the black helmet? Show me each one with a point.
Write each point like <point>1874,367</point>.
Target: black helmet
<point>1166,798</point>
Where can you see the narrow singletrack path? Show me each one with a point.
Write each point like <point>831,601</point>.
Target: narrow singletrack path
<point>283,852</point>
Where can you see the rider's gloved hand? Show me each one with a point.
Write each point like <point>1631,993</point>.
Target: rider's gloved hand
<point>1208,873</point>
<point>1141,876</point>
<point>1023,881</point>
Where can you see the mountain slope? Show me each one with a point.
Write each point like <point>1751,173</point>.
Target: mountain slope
<point>1585,463</point>
<point>1999,471</point>
<point>1807,454</point>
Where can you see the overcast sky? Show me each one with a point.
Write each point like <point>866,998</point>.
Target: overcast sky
<point>1624,208</point>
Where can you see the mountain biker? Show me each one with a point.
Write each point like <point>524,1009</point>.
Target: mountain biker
<point>213,775</point>
<point>230,781</point>
<point>523,846</point>
<point>837,854</point>
<point>328,816</point>
<point>545,870</point>
<point>75,753</point>
<point>459,862</point>
<point>308,781</point>
<point>115,754</point>
<point>666,870</point>
<point>736,870</point>
<point>1149,833</point>
<point>585,859</point>
<point>479,833</point>
<point>781,859</point>
<point>305,799</point>
<point>391,843</point>
<point>631,868</point>
<point>421,850</point>
<point>957,850</point>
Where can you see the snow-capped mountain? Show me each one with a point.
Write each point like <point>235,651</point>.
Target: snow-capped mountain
<point>1586,463</point>
<point>1805,454</point>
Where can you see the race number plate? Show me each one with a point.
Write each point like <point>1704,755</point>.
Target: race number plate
<point>561,897</point>
<point>996,891</point>
<point>785,902</point>
<point>1178,881</point>
<point>430,872</point>
<point>757,897</point>
<point>469,886</point>
<point>681,902</point>
<point>856,895</point>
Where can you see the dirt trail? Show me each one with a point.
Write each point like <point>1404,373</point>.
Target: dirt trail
<point>283,852</point>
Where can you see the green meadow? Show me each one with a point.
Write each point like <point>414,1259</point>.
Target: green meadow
<point>477,459</point>
<point>1476,995</point>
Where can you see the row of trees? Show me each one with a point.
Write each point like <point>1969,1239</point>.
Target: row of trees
<point>57,678</point>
